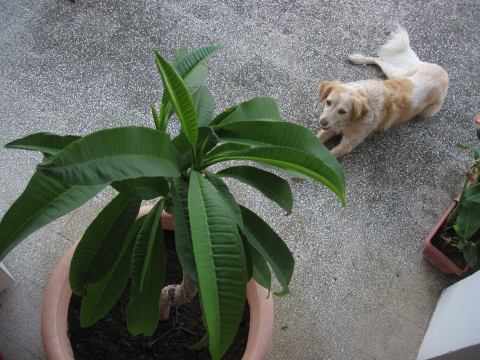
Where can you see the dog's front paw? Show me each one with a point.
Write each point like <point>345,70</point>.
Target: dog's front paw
<point>357,59</point>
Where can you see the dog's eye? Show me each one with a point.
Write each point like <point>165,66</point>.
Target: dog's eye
<point>328,103</point>
<point>342,112</point>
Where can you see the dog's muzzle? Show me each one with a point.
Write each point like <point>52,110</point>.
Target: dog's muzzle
<point>324,125</point>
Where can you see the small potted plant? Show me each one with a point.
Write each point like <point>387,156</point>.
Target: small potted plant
<point>459,227</point>
<point>221,245</point>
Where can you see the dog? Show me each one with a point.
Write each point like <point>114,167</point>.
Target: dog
<point>358,109</point>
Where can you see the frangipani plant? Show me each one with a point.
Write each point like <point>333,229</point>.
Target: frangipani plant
<point>465,217</point>
<point>221,245</point>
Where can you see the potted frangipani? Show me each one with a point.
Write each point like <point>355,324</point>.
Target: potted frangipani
<point>221,244</point>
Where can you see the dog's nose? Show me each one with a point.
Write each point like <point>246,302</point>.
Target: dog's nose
<point>323,122</point>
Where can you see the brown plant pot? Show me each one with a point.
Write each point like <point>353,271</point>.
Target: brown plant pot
<point>435,256</point>
<point>55,340</point>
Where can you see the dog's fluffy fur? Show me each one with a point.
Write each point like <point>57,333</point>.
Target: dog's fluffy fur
<point>360,108</point>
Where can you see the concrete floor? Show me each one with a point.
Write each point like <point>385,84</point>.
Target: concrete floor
<point>361,289</point>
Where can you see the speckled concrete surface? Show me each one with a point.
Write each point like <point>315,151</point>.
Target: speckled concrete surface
<point>361,289</point>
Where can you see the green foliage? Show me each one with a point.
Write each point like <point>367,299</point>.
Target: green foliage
<point>466,215</point>
<point>221,245</point>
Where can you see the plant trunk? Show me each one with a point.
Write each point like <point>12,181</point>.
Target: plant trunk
<point>176,295</point>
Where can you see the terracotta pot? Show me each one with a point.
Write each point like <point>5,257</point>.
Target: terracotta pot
<point>57,298</point>
<point>435,256</point>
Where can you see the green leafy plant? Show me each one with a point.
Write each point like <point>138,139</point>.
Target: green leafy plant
<point>465,217</point>
<point>221,245</point>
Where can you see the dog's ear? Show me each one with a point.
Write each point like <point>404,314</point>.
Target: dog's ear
<point>360,109</point>
<point>325,88</point>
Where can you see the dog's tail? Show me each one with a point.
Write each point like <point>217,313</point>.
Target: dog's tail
<point>397,50</point>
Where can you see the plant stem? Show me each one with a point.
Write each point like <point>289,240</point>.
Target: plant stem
<point>176,295</point>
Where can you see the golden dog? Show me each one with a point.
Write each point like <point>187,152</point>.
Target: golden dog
<point>358,109</point>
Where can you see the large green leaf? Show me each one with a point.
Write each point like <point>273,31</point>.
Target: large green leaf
<point>188,66</point>
<point>144,188</point>
<point>143,310</point>
<point>224,149</point>
<point>114,155</point>
<point>472,193</point>
<point>470,254</point>
<point>102,242</point>
<point>190,62</point>
<point>148,273</point>
<point>105,294</point>
<point>193,83</point>
<point>256,109</point>
<point>248,256</point>
<point>226,195</point>
<point>149,244</point>
<point>204,104</point>
<point>221,263</point>
<point>222,116</point>
<point>293,159</point>
<point>284,134</point>
<point>43,200</point>
<point>183,238</point>
<point>272,186</point>
<point>468,220</point>
<point>180,98</point>
<point>261,271</point>
<point>270,246</point>
<point>44,142</point>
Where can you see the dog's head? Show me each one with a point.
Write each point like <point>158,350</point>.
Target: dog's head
<point>342,104</point>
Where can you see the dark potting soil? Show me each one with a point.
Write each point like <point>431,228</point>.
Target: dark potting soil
<point>109,338</point>
<point>451,252</point>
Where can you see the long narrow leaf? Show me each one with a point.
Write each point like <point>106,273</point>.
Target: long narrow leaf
<point>293,159</point>
<point>468,220</point>
<point>144,188</point>
<point>248,256</point>
<point>288,135</point>
<point>148,271</point>
<point>193,83</point>
<point>183,238</point>
<point>270,246</point>
<point>43,200</point>
<point>222,116</point>
<point>105,294</point>
<point>180,98</point>
<point>220,263</point>
<point>256,109</point>
<point>188,66</point>
<point>103,240</point>
<point>224,149</point>
<point>114,155</point>
<point>272,186</point>
<point>190,62</point>
<point>150,233</point>
<point>204,104</point>
<point>261,271</point>
<point>44,142</point>
<point>224,192</point>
